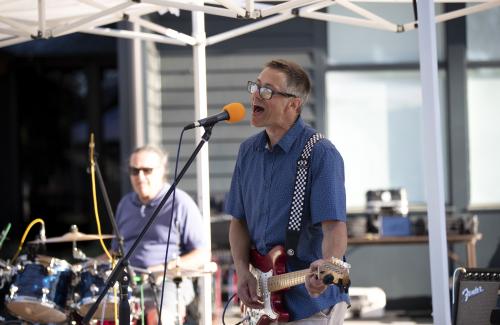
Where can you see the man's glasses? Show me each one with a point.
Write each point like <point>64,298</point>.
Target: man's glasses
<point>265,92</point>
<point>145,170</point>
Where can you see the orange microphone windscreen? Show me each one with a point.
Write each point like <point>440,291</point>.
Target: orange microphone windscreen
<point>236,112</point>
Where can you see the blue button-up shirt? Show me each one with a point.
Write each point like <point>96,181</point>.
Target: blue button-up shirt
<point>261,194</point>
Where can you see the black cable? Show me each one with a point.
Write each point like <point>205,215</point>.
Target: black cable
<point>415,12</point>
<point>241,321</point>
<point>170,229</point>
<point>225,308</point>
<point>112,278</point>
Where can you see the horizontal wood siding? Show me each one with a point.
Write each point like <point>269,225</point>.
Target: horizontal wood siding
<point>226,79</point>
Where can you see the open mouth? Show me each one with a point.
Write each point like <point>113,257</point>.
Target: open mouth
<point>258,109</point>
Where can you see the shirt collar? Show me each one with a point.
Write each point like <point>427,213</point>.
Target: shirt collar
<point>155,201</point>
<point>291,135</point>
<point>288,139</point>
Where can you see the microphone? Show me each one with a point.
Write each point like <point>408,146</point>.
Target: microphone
<point>43,239</point>
<point>231,113</point>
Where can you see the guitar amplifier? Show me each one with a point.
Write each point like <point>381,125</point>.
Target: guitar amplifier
<point>476,297</point>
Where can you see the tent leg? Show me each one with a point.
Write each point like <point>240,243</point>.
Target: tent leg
<point>433,163</point>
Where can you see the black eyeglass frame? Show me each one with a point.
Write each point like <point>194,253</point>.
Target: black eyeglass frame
<point>136,170</point>
<point>271,92</point>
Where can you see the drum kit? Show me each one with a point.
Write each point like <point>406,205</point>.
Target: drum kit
<point>45,290</point>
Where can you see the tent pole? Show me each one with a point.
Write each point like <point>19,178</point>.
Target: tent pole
<point>202,165</point>
<point>139,113</point>
<point>433,163</point>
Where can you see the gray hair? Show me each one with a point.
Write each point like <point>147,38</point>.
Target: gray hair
<point>162,154</point>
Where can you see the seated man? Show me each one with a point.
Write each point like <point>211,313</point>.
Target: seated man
<point>184,235</point>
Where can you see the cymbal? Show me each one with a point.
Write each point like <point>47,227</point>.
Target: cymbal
<point>71,236</point>
<point>208,268</point>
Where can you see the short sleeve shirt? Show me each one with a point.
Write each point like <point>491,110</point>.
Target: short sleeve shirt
<point>261,194</point>
<point>187,229</point>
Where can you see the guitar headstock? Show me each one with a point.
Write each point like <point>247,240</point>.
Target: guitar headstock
<point>335,272</point>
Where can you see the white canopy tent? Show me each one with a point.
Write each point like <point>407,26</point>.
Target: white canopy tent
<point>24,20</point>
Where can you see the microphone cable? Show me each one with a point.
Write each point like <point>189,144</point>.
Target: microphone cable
<point>98,221</point>
<point>94,198</point>
<point>23,238</point>
<point>225,308</point>
<point>165,264</point>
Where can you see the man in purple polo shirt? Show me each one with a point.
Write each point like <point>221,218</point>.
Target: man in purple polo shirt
<point>187,247</point>
<point>261,194</point>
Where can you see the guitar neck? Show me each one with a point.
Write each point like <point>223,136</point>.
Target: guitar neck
<point>287,280</point>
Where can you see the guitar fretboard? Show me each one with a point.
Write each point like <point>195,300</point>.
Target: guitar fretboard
<point>287,280</point>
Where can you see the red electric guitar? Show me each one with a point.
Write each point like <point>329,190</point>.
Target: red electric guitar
<point>272,279</point>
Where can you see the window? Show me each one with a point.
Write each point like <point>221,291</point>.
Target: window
<point>483,82</point>
<point>482,35</point>
<point>484,135</point>
<point>374,119</point>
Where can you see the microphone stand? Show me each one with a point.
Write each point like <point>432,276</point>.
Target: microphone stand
<point>123,262</point>
<point>121,246</point>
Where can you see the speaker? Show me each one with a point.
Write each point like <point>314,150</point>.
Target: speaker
<point>476,297</point>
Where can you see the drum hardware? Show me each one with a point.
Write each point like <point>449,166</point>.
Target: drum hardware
<point>92,278</point>
<point>4,233</point>
<point>177,271</point>
<point>13,290</point>
<point>39,292</point>
<point>77,253</point>
<point>44,307</point>
<point>94,289</point>
<point>124,306</point>
<point>142,277</point>
<point>177,274</point>
<point>73,236</point>
<point>45,292</point>
<point>177,280</point>
<point>5,272</point>
<point>154,287</point>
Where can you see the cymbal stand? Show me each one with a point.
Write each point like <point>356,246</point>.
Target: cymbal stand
<point>111,216</point>
<point>77,253</point>
<point>124,309</point>
<point>154,287</point>
<point>126,277</point>
<point>123,262</point>
<point>178,280</point>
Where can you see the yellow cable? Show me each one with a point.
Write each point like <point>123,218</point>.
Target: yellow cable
<point>37,220</point>
<point>94,196</point>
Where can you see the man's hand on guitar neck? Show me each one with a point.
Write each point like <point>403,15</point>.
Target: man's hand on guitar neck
<point>247,290</point>
<point>314,284</point>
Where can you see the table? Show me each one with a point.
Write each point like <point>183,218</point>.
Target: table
<point>469,240</point>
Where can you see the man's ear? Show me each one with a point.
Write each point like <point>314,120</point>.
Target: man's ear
<point>295,104</point>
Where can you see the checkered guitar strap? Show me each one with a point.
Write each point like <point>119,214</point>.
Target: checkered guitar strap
<point>299,202</point>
